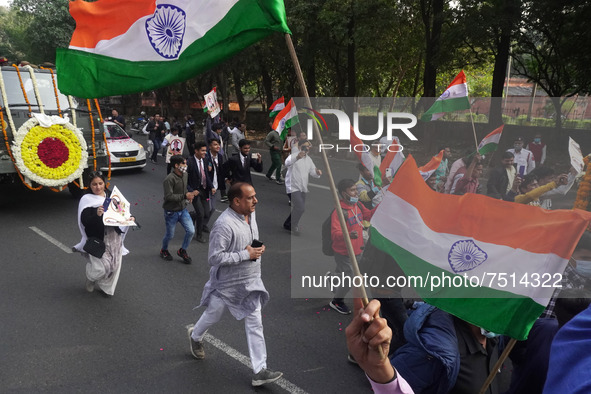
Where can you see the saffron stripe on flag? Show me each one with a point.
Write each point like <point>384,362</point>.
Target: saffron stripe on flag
<point>459,213</point>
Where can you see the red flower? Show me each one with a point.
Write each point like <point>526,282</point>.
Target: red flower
<point>53,152</point>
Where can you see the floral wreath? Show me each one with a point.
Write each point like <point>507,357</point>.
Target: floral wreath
<point>51,156</point>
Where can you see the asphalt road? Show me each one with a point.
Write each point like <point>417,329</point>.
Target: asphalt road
<point>56,337</point>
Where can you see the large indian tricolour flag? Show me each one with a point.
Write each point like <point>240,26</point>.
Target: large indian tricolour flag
<point>511,254</point>
<point>455,98</point>
<point>122,47</point>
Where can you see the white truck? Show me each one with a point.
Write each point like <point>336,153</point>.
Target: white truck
<point>47,139</point>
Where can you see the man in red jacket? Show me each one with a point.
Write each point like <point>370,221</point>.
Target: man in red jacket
<point>355,213</point>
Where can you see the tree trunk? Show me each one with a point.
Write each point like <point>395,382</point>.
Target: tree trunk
<point>433,21</point>
<point>351,70</point>
<point>239,95</point>
<point>223,85</point>
<point>510,18</point>
<point>557,111</point>
<point>267,82</point>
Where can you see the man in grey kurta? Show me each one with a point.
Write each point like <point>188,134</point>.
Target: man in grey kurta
<point>235,280</point>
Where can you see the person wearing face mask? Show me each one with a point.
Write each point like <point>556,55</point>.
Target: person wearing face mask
<point>355,213</point>
<point>524,159</point>
<point>176,198</point>
<point>538,149</point>
<point>577,274</point>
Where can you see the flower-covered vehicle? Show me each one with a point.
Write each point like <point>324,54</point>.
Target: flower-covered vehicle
<point>125,153</point>
<point>47,138</point>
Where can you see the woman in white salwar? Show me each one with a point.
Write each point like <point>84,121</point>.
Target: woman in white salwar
<point>101,272</point>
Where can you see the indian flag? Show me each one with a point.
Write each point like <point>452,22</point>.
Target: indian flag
<point>490,143</point>
<point>285,119</point>
<point>489,262</point>
<point>277,106</point>
<point>393,159</point>
<point>428,169</point>
<point>123,47</point>
<point>454,98</point>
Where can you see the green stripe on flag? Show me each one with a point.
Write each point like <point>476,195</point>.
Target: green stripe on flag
<point>488,148</point>
<point>498,311</point>
<point>88,75</point>
<point>288,124</point>
<point>448,105</point>
<point>377,176</point>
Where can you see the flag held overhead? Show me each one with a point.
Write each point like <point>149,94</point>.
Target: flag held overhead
<point>138,45</point>
<point>485,254</point>
<point>455,98</point>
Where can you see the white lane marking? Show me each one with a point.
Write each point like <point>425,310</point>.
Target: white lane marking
<point>51,239</point>
<point>309,184</point>
<point>236,355</point>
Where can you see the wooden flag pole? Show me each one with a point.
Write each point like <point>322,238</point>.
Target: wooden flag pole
<point>473,128</point>
<point>497,365</point>
<point>333,188</point>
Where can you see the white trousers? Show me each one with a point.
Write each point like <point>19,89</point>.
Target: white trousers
<point>253,325</point>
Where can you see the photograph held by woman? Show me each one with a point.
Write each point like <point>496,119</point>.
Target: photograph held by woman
<point>101,272</point>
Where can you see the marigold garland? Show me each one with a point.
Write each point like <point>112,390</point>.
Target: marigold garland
<point>584,190</point>
<point>20,78</point>
<point>35,88</point>
<point>98,109</point>
<point>57,100</point>
<point>92,133</point>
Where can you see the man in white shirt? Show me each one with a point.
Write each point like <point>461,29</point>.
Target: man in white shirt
<point>524,159</point>
<point>299,167</point>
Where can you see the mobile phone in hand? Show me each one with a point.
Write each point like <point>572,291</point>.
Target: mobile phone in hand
<point>106,204</point>
<point>256,243</point>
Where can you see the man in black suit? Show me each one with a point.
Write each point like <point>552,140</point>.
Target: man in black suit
<point>200,181</point>
<point>502,178</point>
<point>218,178</point>
<point>237,168</point>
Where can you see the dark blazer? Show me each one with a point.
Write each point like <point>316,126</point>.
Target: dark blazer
<point>235,172</point>
<point>194,182</point>
<point>498,181</point>
<point>219,170</point>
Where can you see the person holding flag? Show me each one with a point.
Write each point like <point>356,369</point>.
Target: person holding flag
<point>275,144</point>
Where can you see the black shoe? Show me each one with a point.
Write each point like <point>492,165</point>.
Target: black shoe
<point>183,254</point>
<point>165,255</point>
<point>224,199</point>
<point>340,307</point>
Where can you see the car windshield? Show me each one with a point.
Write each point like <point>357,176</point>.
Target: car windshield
<point>113,131</point>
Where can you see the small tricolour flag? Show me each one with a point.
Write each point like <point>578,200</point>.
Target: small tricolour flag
<point>478,258</point>
<point>428,169</point>
<point>285,119</point>
<point>455,98</point>
<point>123,47</point>
<point>490,143</point>
<point>393,159</point>
<point>277,106</point>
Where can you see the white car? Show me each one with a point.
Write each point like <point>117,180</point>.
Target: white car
<point>125,153</point>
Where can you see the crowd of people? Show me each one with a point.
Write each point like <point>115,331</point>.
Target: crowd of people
<point>414,347</point>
